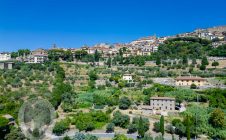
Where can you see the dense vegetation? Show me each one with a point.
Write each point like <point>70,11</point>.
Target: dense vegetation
<point>180,47</point>
<point>89,107</point>
<point>90,121</point>
<point>219,51</point>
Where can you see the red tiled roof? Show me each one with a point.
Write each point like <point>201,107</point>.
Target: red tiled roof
<point>190,78</point>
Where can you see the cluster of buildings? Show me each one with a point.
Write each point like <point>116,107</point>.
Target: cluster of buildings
<point>140,47</point>
<point>36,56</point>
<point>144,46</point>
<point>216,34</point>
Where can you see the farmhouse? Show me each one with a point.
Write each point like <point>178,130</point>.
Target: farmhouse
<point>162,103</point>
<point>127,77</point>
<point>188,81</point>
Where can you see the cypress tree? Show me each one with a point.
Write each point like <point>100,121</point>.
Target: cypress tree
<point>188,132</point>
<point>205,61</point>
<point>158,60</point>
<point>109,62</point>
<point>141,130</point>
<point>162,129</point>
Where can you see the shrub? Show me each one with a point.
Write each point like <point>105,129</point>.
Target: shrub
<point>4,127</point>
<point>120,137</point>
<point>120,120</point>
<point>202,67</point>
<point>193,86</point>
<point>90,121</point>
<point>15,134</point>
<point>145,123</point>
<point>132,128</point>
<point>3,121</point>
<point>124,103</point>
<point>157,126</point>
<point>217,118</point>
<point>79,136</point>
<point>61,127</point>
<point>90,137</point>
<point>176,121</point>
<point>110,127</point>
<point>66,138</point>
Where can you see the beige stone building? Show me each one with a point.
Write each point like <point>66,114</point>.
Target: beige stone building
<point>6,65</point>
<point>188,81</point>
<point>162,103</point>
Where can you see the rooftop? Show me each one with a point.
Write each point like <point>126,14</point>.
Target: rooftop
<point>190,78</point>
<point>162,98</point>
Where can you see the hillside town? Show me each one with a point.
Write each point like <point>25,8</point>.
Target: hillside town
<point>151,87</point>
<point>140,47</point>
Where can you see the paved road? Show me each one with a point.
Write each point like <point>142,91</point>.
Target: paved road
<point>107,135</point>
<point>100,135</point>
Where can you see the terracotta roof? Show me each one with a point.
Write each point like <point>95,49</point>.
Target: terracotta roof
<point>190,78</point>
<point>162,98</point>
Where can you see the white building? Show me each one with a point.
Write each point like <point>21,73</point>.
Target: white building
<point>155,48</point>
<point>5,56</point>
<point>127,77</point>
<point>206,35</point>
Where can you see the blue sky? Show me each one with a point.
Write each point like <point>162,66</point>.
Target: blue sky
<point>73,23</point>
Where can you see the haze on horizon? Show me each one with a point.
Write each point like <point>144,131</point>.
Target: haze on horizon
<point>73,23</point>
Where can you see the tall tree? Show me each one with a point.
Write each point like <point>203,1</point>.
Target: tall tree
<point>97,56</point>
<point>109,62</point>
<point>188,131</point>
<point>120,52</point>
<point>121,60</point>
<point>205,61</point>
<point>162,129</point>
<point>158,60</point>
<point>141,130</point>
<point>185,60</point>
